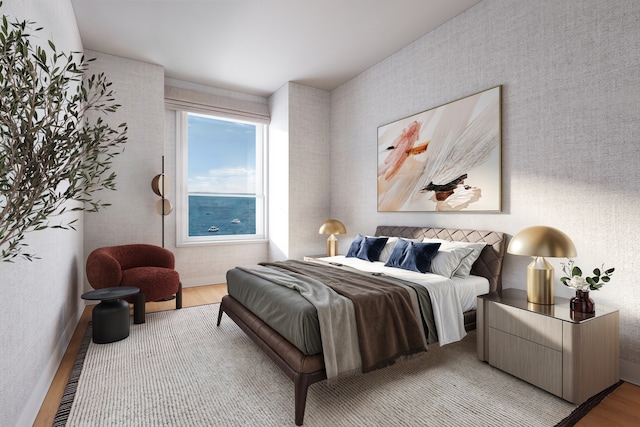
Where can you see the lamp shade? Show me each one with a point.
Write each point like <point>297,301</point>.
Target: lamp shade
<point>160,185</point>
<point>542,241</point>
<point>332,226</point>
<point>164,207</point>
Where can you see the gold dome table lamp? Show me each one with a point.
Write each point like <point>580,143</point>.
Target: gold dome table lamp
<point>539,242</point>
<point>332,227</point>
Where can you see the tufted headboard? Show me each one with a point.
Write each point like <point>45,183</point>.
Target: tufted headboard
<point>488,265</point>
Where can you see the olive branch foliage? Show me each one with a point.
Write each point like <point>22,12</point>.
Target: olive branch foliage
<point>51,151</point>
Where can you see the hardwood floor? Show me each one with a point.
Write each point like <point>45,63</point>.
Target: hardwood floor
<point>620,409</point>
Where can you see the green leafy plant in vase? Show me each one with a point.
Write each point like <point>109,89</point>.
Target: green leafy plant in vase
<point>574,279</point>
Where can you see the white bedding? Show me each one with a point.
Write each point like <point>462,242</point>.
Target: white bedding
<point>449,297</point>
<point>475,285</point>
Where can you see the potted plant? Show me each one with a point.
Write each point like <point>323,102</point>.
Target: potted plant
<point>573,279</point>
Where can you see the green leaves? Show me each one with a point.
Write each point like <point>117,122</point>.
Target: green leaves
<point>51,152</point>
<point>595,282</point>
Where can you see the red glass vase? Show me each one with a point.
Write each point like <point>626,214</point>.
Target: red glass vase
<point>581,303</point>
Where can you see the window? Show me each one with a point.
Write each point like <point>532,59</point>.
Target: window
<point>221,183</point>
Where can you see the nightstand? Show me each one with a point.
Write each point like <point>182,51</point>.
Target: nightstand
<point>571,355</point>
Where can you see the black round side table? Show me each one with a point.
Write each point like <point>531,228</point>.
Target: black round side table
<point>110,317</point>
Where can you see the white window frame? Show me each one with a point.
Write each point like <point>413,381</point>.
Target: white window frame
<point>182,194</point>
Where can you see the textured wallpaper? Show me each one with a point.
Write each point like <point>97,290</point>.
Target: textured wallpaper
<point>309,180</point>
<point>41,298</point>
<point>131,218</point>
<point>570,73</point>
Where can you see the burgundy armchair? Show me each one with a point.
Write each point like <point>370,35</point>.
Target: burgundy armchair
<point>147,267</point>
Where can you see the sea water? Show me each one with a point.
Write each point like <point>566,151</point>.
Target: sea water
<point>220,211</point>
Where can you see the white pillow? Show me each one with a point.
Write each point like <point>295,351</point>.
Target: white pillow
<point>448,260</point>
<point>388,248</point>
<point>467,262</point>
<point>464,269</point>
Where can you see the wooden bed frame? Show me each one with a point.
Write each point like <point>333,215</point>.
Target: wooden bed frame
<point>305,370</point>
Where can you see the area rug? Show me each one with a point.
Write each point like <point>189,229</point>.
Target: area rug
<point>179,369</point>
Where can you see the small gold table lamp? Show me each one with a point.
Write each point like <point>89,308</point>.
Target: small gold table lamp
<point>539,242</point>
<point>332,226</point>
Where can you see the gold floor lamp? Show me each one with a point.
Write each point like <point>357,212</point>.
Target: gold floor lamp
<point>160,186</point>
<point>539,242</point>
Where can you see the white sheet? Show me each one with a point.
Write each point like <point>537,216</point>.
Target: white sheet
<point>477,285</point>
<point>449,297</point>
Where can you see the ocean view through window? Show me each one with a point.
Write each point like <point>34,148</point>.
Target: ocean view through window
<point>221,169</point>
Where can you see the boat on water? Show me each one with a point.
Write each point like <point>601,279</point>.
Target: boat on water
<point>213,229</point>
<point>235,221</point>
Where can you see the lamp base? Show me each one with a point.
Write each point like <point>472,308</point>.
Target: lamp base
<point>332,245</point>
<point>540,288</point>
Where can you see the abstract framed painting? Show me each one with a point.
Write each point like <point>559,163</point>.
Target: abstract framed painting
<point>444,159</point>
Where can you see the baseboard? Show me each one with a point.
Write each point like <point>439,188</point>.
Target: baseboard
<point>630,372</point>
<point>41,388</point>
<point>203,281</point>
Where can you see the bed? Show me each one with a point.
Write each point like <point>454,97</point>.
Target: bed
<point>306,366</point>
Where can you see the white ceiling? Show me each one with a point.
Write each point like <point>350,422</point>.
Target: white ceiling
<point>256,46</point>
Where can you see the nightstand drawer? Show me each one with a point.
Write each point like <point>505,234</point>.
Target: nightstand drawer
<point>543,330</point>
<point>534,363</point>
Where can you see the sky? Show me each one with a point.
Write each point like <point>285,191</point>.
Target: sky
<point>222,156</point>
